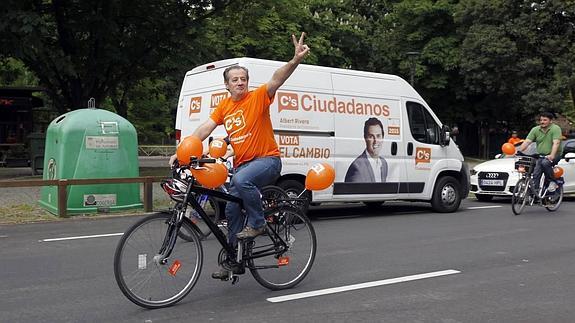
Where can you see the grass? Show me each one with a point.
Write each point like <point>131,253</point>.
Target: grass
<point>27,213</point>
<point>30,212</point>
<point>24,213</point>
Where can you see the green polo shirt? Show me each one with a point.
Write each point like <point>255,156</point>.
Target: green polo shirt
<point>544,140</point>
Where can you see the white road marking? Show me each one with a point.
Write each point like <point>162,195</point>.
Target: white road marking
<point>82,237</point>
<point>483,207</point>
<point>376,283</point>
<point>3,236</point>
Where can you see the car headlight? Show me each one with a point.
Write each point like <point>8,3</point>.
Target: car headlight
<point>472,172</point>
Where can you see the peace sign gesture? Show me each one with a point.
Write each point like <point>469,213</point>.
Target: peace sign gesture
<point>301,49</point>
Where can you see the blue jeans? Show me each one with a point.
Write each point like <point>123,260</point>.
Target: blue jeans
<point>246,183</point>
<point>544,165</point>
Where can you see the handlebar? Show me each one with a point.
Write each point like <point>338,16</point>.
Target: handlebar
<point>522,154</point>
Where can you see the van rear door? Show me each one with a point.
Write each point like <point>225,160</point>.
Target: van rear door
<point>201,93</point>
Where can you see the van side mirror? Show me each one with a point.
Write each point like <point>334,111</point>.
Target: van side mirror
<point>445,136</point>
<point>569,156</point>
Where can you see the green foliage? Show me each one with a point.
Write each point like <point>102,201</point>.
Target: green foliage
<point>84,49</point>
<point>14,73</point>
<point>479,61</point>
<point>512,55</point>
<point>149,110</point>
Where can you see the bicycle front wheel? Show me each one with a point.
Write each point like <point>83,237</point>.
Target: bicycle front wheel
<point>520,196</point>
<point>554,201</point>
<point>141,273</point>
<point>276,269</point>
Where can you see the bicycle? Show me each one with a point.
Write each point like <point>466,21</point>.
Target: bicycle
<point>213,207</point>
<point>524,192</point>
<point>156,267</point>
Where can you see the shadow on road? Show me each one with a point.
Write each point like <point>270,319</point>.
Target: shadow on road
<point>352,210</point>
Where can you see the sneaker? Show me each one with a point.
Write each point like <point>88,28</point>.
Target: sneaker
<point>226,274</point>
<point>552,187</point>
<point>222,274</point>
<point>249,232</point>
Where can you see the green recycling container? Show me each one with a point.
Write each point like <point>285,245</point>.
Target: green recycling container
<point>91,143</point>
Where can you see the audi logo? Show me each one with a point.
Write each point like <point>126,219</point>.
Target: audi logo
<point>491,175</point>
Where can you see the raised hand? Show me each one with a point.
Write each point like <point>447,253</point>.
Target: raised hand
<point>301,49</point>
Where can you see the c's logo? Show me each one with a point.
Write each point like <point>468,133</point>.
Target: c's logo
<point>422,155</point>
<point>195,105</point>
<point>287,101</point>
<point>234,122</point>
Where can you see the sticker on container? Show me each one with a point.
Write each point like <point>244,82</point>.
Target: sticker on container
<point>102,142</point>
<point>142,261</point>
<point>99,199</point>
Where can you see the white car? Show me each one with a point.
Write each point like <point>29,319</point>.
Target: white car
<point>498,177</point>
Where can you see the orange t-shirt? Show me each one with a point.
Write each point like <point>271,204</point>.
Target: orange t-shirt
<point>248,125</point>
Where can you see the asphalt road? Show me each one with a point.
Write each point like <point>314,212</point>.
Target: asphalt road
<point>495,267</point>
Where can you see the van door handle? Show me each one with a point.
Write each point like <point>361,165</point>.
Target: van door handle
<point>394,148</point>
<point>410,149</point>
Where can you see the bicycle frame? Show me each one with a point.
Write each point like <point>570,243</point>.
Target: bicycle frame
<point>190,200</point>
<point>528,175</point>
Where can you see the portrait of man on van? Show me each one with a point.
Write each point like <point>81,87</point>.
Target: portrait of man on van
<point>369,166</point>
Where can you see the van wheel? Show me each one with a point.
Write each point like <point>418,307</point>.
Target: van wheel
<point>484,197</point>
<point>293,188</point>
<point>446,195</point>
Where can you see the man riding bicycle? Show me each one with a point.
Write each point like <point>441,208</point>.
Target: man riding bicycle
<point>246,118</point>
<point>547,135</point>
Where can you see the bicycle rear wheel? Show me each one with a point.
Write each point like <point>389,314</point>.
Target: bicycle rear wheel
<point>281,270</point>
<point>271,194</point>
<point>520,196</point>
<point>143,277</point>
<point>554,201</point>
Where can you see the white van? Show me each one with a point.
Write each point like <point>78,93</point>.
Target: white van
<point>319,115</point>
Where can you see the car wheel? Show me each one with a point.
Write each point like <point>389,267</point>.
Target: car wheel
<point>446,195</point>
<point>484,197</point>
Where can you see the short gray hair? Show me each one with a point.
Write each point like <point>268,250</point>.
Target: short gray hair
<point>234,67</point>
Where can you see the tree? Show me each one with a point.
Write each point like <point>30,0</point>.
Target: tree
<point>510,53</point>
<point>83,49</point>
<point>427,27</point>
<point>14,73</point>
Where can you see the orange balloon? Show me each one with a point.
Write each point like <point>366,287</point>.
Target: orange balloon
<point>211,175</point>
<point>557,171</point>
<point>319,177</point>
<point>189,147</point>
<point>218,148</point>
<point>508,148</point>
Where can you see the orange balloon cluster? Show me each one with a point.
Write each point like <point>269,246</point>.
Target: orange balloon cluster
<point>211,175</point>
<point>319,177</point>
<point>557,171</point>
<point>189,147</point>
<point>218,148</point>
<point>508,148</point>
